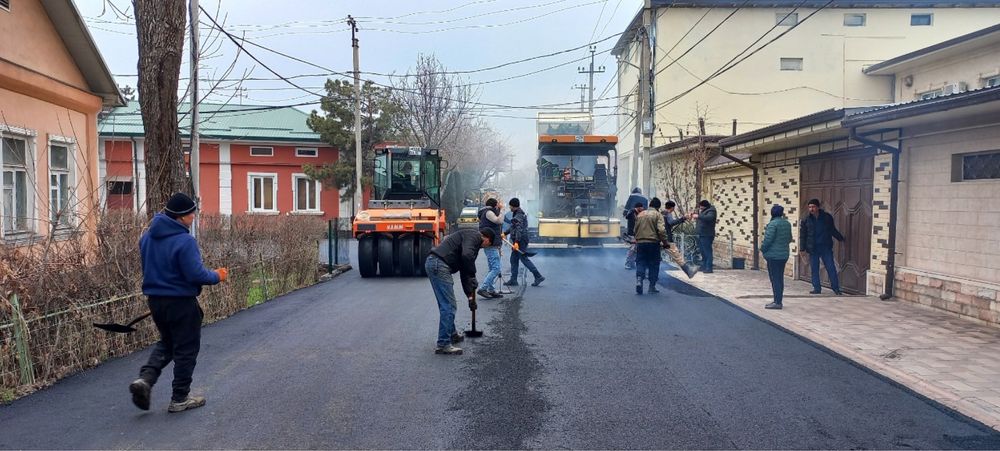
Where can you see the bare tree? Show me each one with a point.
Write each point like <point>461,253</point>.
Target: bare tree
<point>160,28</point>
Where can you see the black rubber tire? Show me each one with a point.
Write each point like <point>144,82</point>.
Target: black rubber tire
<point>406,257</point>
<point>386,256</point>
<point>367,261</point>
<point>424,245</point>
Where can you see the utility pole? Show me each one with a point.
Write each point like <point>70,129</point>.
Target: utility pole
<point>582,88</point>
<point>195,141</point>
<point>591,73</point>
<point>357,120</point>
<point>646,78</point>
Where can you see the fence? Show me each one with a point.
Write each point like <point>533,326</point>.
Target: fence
<point>335,249</point>
<point>728,258</point>
<point>42,340</point>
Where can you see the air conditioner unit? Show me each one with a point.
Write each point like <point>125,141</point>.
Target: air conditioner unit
<point>955,88</point>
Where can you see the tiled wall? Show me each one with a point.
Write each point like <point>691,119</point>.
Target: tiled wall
<point>731,191</point>
<point>880,224</point>
<point>780,185</point>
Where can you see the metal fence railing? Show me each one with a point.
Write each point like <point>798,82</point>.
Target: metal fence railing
<point>335,248</point>
<point>723,257</point>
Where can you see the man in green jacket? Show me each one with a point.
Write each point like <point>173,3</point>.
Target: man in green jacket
<point>777,237</point>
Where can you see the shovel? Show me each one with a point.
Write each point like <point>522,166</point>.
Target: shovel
<point>525,253</point>
<point>122,329</point>
<point>473,333</point>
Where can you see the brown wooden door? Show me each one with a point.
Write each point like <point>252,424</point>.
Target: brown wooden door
<point>843,184</point>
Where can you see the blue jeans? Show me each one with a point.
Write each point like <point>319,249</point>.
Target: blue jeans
<point>493,260</point>
<point>443,285</point>
<point>705,246</point>
<point>831,269</point>
<point>647,262</point>
<point>776,272</point>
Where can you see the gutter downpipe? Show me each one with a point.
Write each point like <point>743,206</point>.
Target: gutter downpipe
<point>890,269</point>
<point>756,207</point>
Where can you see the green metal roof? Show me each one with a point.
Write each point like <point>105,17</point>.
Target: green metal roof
<point>224,122</point>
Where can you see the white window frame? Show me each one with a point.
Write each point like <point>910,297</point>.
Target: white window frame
<point>314,150</point>
<point>270,149</point>
<point>29,137</point>
<point>67,219</point>
<point>295,194</point>
<point>930,94</point>
<point>863,16</point>
<point>782,21</point>
<point>992,81</point>
<point>958,167</point>
<point>929,15</point>
<point>781,64</point>
<point>274,192</point>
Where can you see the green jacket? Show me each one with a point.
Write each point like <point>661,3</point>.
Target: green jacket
<point>777,237</point>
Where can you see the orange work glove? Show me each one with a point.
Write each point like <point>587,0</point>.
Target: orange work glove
<point>516,247</point>
<point>223,274</point>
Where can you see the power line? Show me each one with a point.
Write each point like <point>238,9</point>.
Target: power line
<point>598,22</point>
<point>475,16</point>
<point>465,27</point>
<point>706,36</point>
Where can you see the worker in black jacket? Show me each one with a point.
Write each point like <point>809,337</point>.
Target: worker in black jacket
<point>816,235</point>
<point>456,253</point>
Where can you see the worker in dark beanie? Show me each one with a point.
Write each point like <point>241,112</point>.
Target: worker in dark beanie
<point>777,238</point>
<point>172,277</point>
<point>816,235</point>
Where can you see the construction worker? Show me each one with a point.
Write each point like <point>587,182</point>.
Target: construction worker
<point>519,238</point>
<point>456,253</point>
<point>489,218</point>
<point>650,236</point>
<point>630,213</point>
<point>675,255</point>
<point>172,277</point>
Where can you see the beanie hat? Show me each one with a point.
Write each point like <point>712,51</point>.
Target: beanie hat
<point>704,203</point>
<point>813,202</point>
<point>777,211</point>
<point>636,190</point>
<point>514,202</point>
<point>180,204</point>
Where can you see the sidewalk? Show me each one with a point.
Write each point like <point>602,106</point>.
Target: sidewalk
<point>951,360</point>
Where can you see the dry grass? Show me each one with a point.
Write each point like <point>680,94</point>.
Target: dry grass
<point>65,286</point>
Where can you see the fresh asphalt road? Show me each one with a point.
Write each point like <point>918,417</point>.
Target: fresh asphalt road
<point>581,362</point>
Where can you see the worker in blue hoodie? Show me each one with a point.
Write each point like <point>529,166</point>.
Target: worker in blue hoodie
<point>172,277</point>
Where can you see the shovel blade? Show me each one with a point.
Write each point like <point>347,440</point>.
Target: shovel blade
<point>117,328</point>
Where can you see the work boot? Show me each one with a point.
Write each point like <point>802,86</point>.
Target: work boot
<point>140,393</point>
<point>448,350</point>
<point>814,292</point>
<point>495,295</point>
<point>773,306</point>
<point>652,288</point>
<point>510,283</point>
<point>457,337</point>
<point>192,402</point>
<point>538,281</point>
<point>484,294</point>
<point>638,285</point>
<point>689,270</point>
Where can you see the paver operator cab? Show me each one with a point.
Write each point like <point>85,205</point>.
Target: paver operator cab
<point>576,183</point>
<point>404,219</point>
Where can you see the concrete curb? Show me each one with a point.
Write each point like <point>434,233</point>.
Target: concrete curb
<point>941,398</point>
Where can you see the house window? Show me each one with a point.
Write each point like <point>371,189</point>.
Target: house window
<point>991,82</point>
<point>15,185</point>
<point>975,166</point>
<point>791,64</point>
<point>306,152</point>
<point>59,185</point>
<point>786,19</point>
<point>263,192</point>
<point>921,20</point>
<point>262,151</point>
<point>5,5</point>
<point>927,95</point>
<point>306,193</point>
<point>855,19</point>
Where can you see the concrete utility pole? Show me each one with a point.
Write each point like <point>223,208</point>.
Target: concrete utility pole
<point>645,62</point>
<point>357,120</point>
<point>582,88</point>
<point>195,141</point>
<point>591,73</point>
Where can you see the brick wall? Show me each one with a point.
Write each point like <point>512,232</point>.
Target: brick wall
<point>966,298</point>
<point>731,191</point>
<point>880,224</point>
<point>780,185</point>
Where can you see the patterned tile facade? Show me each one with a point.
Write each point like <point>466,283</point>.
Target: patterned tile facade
<point>731,191</point>
<point>780,185</point>
<point>880,223</point>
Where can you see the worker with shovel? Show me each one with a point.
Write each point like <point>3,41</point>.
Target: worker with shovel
<point>456,253</point>
<point>519,238</point>
<point>172,277</point>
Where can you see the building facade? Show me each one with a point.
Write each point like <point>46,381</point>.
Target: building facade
<point>252,161</point>
<point>52,87</point>
<point>816,66</point>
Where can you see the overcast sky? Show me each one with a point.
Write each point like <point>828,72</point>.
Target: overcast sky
<point>463,34</point>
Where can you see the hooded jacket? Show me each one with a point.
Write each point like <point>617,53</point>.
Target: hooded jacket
<point>777,237</point>
<point>171,261</point>
<point>459,250</point>
<point>706,221</point>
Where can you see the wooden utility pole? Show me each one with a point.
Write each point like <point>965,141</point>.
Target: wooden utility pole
<point>195,140</point>
<point>357,119</point>
<point>645,81</point>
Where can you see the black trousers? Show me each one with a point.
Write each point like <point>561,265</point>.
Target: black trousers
<point>647,261</point>
<point>776,273</point>
<point>179,322</point>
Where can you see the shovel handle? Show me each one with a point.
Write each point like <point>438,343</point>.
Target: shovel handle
<point>140,318</point>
